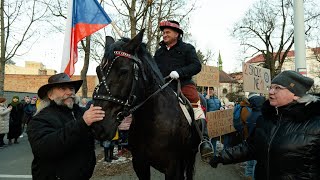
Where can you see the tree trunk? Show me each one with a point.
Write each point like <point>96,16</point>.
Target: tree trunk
<point>85,68</point>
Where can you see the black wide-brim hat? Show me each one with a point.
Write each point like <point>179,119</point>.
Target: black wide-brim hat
<point>172,25</point>
<point>61,79</point>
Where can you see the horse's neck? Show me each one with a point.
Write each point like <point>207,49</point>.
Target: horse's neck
<point>165,99</point>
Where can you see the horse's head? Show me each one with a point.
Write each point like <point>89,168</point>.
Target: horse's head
<point>118,75</point>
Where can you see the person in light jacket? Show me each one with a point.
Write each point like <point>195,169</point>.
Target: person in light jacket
<point>4,120</point>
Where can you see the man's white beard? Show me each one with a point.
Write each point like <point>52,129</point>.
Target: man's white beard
<point>60,101</point>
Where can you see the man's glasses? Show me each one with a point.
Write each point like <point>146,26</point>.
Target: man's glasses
<point>276,88</point>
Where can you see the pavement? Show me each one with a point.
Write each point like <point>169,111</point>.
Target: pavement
<point>16,165</point>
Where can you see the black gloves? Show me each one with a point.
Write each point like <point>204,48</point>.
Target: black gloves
<point>215,161</point>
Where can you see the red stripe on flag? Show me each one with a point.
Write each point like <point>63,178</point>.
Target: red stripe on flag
<point>83,30</point>
<point>80,31</point>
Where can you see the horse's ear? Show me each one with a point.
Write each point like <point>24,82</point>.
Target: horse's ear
<point>135,42</point>
<point>109,41</point>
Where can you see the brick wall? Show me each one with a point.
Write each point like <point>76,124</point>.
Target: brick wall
<point>31,83</point>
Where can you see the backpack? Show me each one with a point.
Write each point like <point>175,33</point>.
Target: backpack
<point>237,123</point>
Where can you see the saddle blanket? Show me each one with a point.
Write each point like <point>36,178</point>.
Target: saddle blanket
<point>198,113</point>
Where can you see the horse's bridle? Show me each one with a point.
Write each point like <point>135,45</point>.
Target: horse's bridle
<point>137,64</point>
<point>128,104</point>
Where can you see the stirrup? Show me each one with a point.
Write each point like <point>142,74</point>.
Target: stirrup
<point>206,155</point>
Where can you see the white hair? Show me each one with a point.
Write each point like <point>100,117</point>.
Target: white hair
<point>45,102</point>
<point>308,98</point>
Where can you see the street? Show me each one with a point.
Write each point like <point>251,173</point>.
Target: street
<point>16,165</point>
<point>16,160</point>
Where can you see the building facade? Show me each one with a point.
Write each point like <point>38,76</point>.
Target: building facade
<point>31,68</point>
<point>312,63</point>
<point>27,80</point>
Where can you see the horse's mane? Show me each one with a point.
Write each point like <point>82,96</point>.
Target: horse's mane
<point>147,59</point>
<point>150,67</point>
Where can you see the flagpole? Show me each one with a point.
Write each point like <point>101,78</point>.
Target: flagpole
<point>116,28</point>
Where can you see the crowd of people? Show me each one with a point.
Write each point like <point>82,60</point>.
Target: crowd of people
<point>14,117</point>
<point>277,136</point>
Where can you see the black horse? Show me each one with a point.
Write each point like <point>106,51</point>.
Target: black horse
<point>159,136</point>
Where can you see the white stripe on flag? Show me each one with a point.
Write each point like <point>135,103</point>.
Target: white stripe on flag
<point>67,39</point>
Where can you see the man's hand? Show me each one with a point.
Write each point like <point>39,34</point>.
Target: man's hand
<point>215,161</point>
<point>174,75</point>
<point>93,114</point>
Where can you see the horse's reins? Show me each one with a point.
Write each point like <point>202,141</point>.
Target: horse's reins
<point>127,110</point>
<point>153,94</point>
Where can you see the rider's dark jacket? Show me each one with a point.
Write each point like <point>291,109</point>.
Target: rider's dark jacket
<point>286,143</point>
<point>62,144</point>
<point>181,57</point>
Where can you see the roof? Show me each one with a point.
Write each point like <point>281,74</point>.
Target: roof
<point>225,78</point>
<point>236,76</point>
<point>260,58</point>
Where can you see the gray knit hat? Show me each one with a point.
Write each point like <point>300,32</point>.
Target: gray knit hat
<point>294,81</point>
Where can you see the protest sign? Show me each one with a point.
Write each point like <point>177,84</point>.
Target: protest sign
<point>220,122</point>
<point>208,76</point>
<point>255,78</point>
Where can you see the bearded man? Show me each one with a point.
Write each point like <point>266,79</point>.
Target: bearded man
<point>59,133</point>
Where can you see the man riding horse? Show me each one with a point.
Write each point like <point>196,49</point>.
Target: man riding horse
<point>179,60</point>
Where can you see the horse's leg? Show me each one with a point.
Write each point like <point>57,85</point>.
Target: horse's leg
<point>190,166</point>
<point>141,167</point>
<point>176,170</point>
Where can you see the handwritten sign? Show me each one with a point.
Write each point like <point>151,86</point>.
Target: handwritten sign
<point>255,78</point>
<point>220,122</point>
<point>208,76</point>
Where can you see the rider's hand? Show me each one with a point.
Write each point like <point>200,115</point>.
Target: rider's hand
<point>215,161</point>
<point>174,75</point>
<point>93,114</point>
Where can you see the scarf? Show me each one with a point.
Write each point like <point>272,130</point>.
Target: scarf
<point>14,104</point>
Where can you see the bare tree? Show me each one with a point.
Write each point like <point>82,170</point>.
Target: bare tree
<point>17,21</point>
<point>136,15</point>
<point>267,29</point>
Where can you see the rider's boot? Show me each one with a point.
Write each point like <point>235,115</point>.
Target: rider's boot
<point>206,149</point>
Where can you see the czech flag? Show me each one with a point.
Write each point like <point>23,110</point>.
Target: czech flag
<point>84,18</point>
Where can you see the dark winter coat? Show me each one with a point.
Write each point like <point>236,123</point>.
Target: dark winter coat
<point>16,114</point>
<point>285,144</point>
<point>29,111</point>
<point>62,144</point>
<point>181,57</point>
<point>256,103</point>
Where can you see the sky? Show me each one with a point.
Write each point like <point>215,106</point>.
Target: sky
<point>210,25</point>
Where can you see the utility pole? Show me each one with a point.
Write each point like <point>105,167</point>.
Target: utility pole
<point>299,38</point>
<point>2,50</point>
